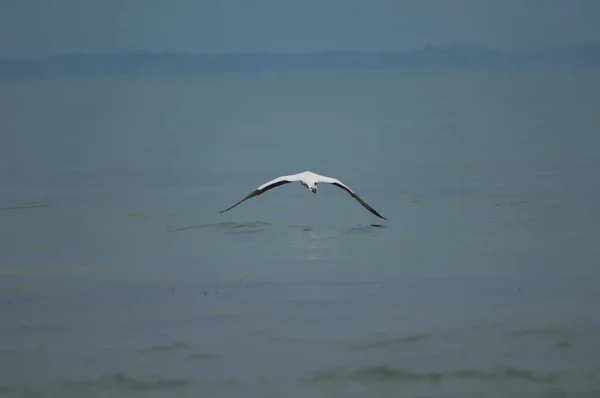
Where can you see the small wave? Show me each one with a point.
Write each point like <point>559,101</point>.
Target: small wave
<point>32,204</point>
<point>175,346</point>
<point>288,340</point>
<point>137,215</point>
<point>230,227</point>
<point>115,382</point>
<point>519,202</point>
<point>539,332</point>
<point>556,338</point>
<point>305,228</point>
<point>146,383</point>
<point>383,373</point>
<point>188,227</point>
<point>387,342</point>
<point>563,344</point>
<point>202,356</point>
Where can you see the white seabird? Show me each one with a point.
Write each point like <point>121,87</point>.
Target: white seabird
<point>310,180</point>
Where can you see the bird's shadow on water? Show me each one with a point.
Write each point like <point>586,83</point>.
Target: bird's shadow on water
<point>354,229</point>
<point>364,228</point>
<point>303,228</point>
<point>262,226</point>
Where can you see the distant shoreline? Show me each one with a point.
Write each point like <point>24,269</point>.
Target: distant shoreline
<point>143,63</point>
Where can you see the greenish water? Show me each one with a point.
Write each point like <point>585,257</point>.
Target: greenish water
<point>119,277</point>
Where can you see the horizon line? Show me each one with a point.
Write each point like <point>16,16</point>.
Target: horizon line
<point>141,51</point>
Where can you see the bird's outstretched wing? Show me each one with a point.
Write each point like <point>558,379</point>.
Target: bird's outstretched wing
<point>339,184</point>
<point>265,187</point>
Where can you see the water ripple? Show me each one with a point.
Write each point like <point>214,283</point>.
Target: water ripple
<point>115,382</point>
<point>387,342</point>
<point>32,204</point>
<point>384,373</point>
<point>229,227</point>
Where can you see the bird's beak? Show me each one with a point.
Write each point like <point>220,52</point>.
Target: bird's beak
<point>313,190</point>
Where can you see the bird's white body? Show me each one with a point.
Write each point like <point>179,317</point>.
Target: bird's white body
<point>310,180</point>
<point>307,178</point>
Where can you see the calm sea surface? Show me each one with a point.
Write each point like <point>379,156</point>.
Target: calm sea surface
<point>118,276</point>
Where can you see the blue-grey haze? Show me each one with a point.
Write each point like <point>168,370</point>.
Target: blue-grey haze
<point>32,29</point>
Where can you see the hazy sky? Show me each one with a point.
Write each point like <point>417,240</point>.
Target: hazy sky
<point>33,28</point>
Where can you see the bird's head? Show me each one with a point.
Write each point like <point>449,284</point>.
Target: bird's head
<point>313,188</point>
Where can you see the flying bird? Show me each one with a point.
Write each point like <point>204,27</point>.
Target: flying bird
<point>310,180</point>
